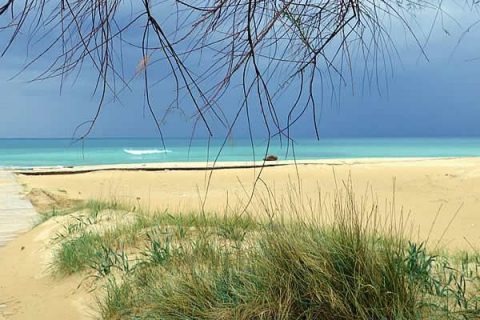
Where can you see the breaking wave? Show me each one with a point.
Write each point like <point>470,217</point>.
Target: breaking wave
<point>146,151</point>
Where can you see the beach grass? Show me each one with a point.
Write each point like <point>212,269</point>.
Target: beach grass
<point>158,265</point>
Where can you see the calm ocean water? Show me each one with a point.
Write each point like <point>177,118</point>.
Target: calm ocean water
<point>63,152</point>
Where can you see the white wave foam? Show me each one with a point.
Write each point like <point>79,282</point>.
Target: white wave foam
<point>146,151</point>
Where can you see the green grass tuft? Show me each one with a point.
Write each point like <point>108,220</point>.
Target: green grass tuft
<point>198,266</point>
<point>78,253</point>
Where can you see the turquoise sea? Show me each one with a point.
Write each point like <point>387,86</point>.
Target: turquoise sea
<point>66,152</point>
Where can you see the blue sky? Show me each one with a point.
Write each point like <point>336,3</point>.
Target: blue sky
<point>438,96</point>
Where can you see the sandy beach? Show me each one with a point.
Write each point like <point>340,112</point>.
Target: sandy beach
<point>440,196</point>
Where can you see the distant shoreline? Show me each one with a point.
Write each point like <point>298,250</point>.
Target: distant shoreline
<point>221,165</point>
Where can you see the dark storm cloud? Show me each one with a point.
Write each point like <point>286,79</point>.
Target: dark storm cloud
<point>436,95</point>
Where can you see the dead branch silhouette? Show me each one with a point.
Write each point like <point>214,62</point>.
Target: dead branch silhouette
<point>268,48</point>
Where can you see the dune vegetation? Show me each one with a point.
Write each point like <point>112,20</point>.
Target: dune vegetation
<point>342,262</point>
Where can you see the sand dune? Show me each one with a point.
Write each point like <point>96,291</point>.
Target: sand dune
<point>423,188</point>
<point>27,288</point>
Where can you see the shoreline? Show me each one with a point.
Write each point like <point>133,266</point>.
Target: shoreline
<point>220,165</point>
